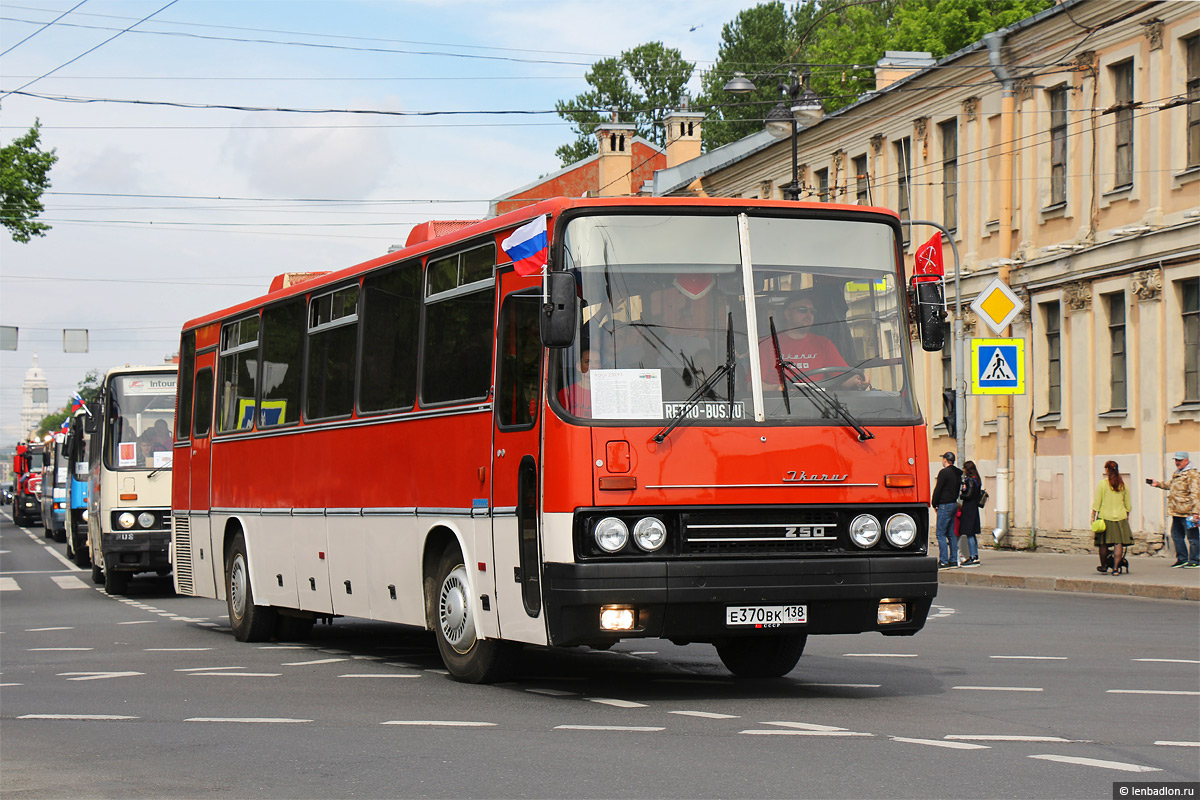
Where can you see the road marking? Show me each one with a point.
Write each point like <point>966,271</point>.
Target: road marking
<point>879,655</point>
<point>553,692</point>
<point>608,701</point>
<point>634,728</point>
<point>204,669</point>
<point>310,663</point>
<point>643,652</point>
<point>440,723</point>
<point>97,676</point>
<point>1001,738</point>
<point>1095,762</point>
<point>806,726</point>
<point>940,743</point>
<point>58,649</point>
<point>1152,691</point>
<point>40,630</point>
<point>9,585</point>
<point>62,558</point>
<point>174,649</point>
<point>375,675</point>
<point>236,674</point>
<point>83,717</point>
<point>264,720</point>
<point>1034,658</point>
<point>69,582</point>
<point>1170,660</point>
<point>1000,688</point>
<point>805,733</point>
<point>283,647</point>
<point>138,622</point>
<point>847,685</point>
<point>703,714</point>
<point>1178,744</point>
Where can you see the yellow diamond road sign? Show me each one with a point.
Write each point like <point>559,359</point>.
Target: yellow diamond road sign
<point>997,305</point>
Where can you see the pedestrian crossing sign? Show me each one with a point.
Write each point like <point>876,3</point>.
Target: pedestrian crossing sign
<point>997,366</point>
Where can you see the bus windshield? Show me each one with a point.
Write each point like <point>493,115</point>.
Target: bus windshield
<point>140,421</point>
<point>673,323</point>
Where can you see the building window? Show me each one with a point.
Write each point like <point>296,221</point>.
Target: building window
<point>1122,75</point>
<point>903,182</point>
<point>1058,145</point>
<point>950,174</point>
<point>822,181</point>
<point>1053,316</point>
<point>862,185</point>
<point>1116,340</point>
<point>1191,340</point>
<point>1192,44</point>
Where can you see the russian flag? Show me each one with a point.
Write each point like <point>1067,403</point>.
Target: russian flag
<point>528,247</point>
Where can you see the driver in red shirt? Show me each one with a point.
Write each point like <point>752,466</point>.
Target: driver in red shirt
<point>806,350</point>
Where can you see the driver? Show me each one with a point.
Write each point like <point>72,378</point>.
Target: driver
<point>807,350</point>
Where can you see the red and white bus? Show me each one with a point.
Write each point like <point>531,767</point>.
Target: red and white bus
<point>646,441</point>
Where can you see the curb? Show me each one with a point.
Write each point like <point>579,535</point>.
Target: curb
<point>1117,587</point>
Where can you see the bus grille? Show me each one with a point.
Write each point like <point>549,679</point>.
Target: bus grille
<point>182,538</point>
<point>779,532</point>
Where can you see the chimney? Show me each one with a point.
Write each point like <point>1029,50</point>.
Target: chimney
<point>683,136</point>
<point>897,65</point>
<point>616,159</point>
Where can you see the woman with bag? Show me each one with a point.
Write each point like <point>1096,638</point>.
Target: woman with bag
<point>1110,520</point>
<point>968,498</point>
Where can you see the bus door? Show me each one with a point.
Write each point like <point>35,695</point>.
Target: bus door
<point>515,464</point>
<point>207,555</point>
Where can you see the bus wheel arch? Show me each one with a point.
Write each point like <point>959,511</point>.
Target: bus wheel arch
<point>249,622</point>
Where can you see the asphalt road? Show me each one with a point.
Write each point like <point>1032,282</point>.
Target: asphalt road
<point>1005,693</point>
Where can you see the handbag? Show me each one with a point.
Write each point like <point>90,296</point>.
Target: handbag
<point>1098,525</point>
<point>983,498</point>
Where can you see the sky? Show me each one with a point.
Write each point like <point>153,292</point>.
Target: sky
<point>162,213</point>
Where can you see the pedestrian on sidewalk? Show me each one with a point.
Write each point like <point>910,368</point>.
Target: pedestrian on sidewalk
<point>968,500</point>
<point>1112,507</point>
<point>1183,505</point>
<point>945,500</point>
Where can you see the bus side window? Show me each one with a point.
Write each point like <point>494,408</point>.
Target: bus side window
<point>183,404</point>
<point>520,363</point>
<point>203,409</point>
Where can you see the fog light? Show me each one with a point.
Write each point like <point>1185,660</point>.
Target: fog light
<point>616,618</point>
<point>891,611</point>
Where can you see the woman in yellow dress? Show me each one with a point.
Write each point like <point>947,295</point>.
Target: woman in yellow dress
<point>1112,506</point>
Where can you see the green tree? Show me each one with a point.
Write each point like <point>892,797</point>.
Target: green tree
<point>24,176</point>
<point>945,26</point>
<point>88,389</point>
<point>642,84</point>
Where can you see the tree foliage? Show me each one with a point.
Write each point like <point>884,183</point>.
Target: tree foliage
<point>943,27</point>
<point>641,85</point>
<point>88,389</point>
<point>24,176</point>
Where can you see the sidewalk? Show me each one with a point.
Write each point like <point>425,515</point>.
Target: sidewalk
<point>1149,576</point>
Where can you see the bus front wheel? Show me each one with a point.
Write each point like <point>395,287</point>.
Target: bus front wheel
<point>765,657</point>
<point>115,582</point>
<point>250,623</point>
<point>467,657</point>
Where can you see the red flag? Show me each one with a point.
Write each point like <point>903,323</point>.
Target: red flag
<point>928,261</point>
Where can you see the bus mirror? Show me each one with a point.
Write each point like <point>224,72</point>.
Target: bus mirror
<point>931,314</point>
<point>89,419</point>
<point>558,319</point>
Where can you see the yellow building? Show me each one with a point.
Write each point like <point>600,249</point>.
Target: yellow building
<point>1064,155</point>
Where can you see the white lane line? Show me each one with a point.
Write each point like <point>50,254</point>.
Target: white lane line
<point>310,663</point>
<point>634,728</point>
<point>204,669</point>
<point>1033,658</point>
<point>1095,762</point>
<point>9,585</point>
<point>283,647</point>
<point>97,676</point>
<point>1152,691</point>
<point>41,630</point>
<point>804,733</point>
<point>58,649</point>
<point>847,685</point>
<point>69,582</point>
<point>608,701</point>
<point>1170,660</point>
<point>879,655</point>
<point>963,737</point>
<point>12,684</point>
<point>1177,744</point>
<point>940,743</point>
<point>704,714</point>
<point>83,717</point>
<point>138,622</point>
<point>643,652</point>
<point>376,675</point>
<point>805,726</point>
<point>1000,688</point>
<point>553,692</point>
<point>236,674</point>
<point>440,723</point>
<point>264,720</point>
<point>174,649</point>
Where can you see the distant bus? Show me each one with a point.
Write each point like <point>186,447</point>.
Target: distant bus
<point>129,475</point>
<point>54,489</point>
<point>641,443</point>
<point>75,450</point>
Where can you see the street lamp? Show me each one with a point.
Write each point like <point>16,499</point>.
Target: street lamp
<point>802,105</point>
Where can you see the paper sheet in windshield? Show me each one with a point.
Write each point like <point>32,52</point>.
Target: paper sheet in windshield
<point>626,394</point>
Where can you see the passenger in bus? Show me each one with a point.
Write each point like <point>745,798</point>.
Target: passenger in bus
<point>805,349</point>
<point>576,397</point>
<point>158,436</point>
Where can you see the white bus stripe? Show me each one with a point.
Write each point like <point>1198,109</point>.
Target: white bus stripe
<point>940,743</point>
<point>1095,762</point>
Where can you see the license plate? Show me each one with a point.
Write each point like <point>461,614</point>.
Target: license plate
<point>765,616</point>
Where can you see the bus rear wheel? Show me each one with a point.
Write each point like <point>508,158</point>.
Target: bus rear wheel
<point>765,657</point>
<point>467,657</point>
<point>250,623</point>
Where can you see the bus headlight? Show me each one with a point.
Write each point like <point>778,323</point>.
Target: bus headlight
<point>125,520</point>
<point>649,534</point>
<point>900,530</point>
<point>145,520</point>
<point>611,534</point>
<point>865,531</point>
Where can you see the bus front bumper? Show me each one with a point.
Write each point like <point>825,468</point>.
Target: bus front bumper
<point>143,552</point>
<point>686,601</point>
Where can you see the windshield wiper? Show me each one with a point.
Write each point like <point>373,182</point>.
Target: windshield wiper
<point>729,368</point>
<point>826,403</point>
<point>157,470</point>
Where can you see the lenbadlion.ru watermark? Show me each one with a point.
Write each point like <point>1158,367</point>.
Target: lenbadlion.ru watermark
<point>1187,791</point>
